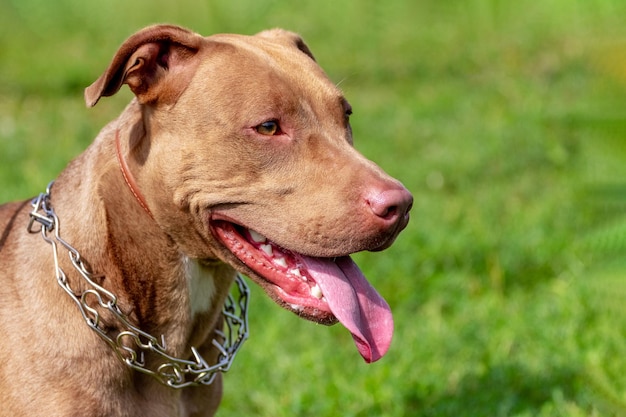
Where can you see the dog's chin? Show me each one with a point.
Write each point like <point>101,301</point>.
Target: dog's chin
<point>279,271</point>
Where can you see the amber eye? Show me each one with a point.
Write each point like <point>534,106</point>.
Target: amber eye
<point>269,128</point>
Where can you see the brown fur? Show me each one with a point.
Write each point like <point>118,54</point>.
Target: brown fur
<point>189,143</point>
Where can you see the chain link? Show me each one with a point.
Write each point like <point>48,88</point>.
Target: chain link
<point>132,343</point>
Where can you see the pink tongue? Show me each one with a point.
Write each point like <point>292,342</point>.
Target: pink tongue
<point>355,303</point>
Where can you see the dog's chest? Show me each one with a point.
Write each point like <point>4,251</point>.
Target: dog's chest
<point>201,284</point>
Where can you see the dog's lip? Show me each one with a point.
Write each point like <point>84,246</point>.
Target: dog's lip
<point>324,290</point>
<point>275,269</point>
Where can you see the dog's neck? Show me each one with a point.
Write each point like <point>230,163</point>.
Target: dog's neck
<point>159,289</point>
<point>155,282</point>
<point>168,369</point>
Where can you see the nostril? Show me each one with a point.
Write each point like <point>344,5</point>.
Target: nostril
<point>379,206</point>
<point>388,212</point>
<point>390,205</point>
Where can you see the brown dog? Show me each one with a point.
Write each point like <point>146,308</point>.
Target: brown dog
<point>236,155</point>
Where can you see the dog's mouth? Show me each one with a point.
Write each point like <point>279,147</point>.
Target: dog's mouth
<point>324,290</point>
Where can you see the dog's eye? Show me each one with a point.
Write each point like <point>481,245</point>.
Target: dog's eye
<point>269,128</point>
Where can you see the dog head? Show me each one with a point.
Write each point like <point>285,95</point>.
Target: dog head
<point>244,154</point>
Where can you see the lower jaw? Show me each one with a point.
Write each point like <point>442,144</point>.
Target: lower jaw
<point>262,270</point>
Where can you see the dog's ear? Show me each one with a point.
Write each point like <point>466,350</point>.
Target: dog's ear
<point>287,38</point>
<point>144,60</point>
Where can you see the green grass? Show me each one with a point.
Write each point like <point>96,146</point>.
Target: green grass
<point>506,121</point>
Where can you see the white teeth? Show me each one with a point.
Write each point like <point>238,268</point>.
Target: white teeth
<point>257,237</point>
<point>296,273</point>
<point>316,292</point>
<point>281,262</point>
<point>267,249</point>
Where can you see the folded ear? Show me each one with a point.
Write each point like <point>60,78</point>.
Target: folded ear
<point>156,63</point>
<point>287,38</point>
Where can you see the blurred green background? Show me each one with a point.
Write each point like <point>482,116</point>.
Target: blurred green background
<point>507,122</point>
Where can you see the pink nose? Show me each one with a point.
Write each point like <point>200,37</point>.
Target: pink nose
<point>391,205</point>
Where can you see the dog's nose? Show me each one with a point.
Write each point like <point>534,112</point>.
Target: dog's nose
<point>391,205</point>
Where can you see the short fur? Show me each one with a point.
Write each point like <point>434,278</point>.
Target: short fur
<point>189,141</point>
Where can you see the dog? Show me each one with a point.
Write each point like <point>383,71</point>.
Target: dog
<point>235,155</point>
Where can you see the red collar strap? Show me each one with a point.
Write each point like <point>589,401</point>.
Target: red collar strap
<point>128,177</point>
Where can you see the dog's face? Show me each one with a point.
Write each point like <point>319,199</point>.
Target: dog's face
<point>250,160</point>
